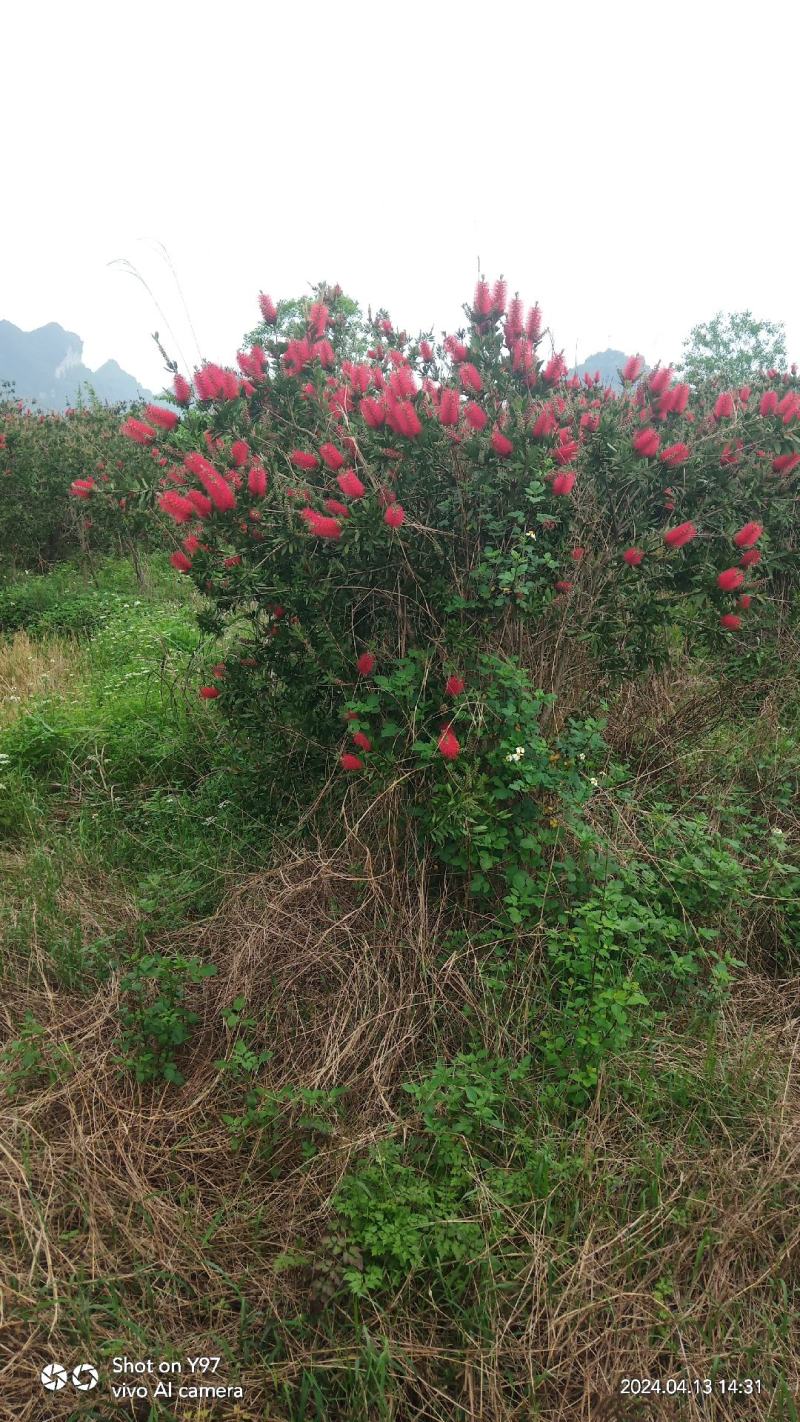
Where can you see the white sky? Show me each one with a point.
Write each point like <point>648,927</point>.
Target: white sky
<point>631,166</point>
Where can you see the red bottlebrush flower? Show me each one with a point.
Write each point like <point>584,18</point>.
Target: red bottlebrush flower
<point>240,452</point>
<point>332,457</point>
<point>351,485</point>
<point>448,745</point>
<point>318,319</point>
<point>362,741</point>
<point>633,557</point>
<point>544,424</point>
<point>730,622</point>
<point>633,367</point>
<point>680,398</point>
<point>365,664</point>
<point>320,525</point>
<point>191,543</point>
<point>679,536</point>
<point>218,671</point>
<point>403,418</point>
<point>138,431</point>
<point>257,481</point>
<point>768,404</point>
<point>470,379</point>
<point>590,423</point>
<point>499,292</point>
<point>164,419</point>
<point>728,457</point>
<point>82,488</point>
<point>565,453</point>
<point>749,559</point>
<point>350,762</point>
<point>577,554</point>
<point>200,503</point>
<point>334,507</point>
<point>482,302</point>
<point>788,407</point>
<point>476,418</point>
<point>426,350</point>
<point>454,685</point>
<point>723,406</point>
<point>646,442</point>
<point>323,352</point>
<point>181,562</point>
<point>533,325</point>
<point>373,411</point>
<point>449,405</point>
<point>744,601</point>
<point>785,463</point>
<point>208,693</point>
<point>301,460</point>
<point>554,370</point>
<point>183,390</point>
<point>455,348</point>
<point>514,325</point>
<point>395,516</point>
<point>744,394</point>
<point>659,380</point>
<point>236,559</point>
<point>501,445</point>
<point>179,507</point>
<point>269,310</point>
<point>675,454</point>
<point>730,579</point>
<point>564,587</point>
<point>748,535</point>
<point>563,483</point>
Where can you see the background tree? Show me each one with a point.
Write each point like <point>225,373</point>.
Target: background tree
<point>733,348</point>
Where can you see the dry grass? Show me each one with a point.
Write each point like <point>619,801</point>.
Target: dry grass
<point>129,1226</point>
<point>37,667</point>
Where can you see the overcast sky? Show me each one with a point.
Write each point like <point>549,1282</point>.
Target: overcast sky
<point>631,166</point>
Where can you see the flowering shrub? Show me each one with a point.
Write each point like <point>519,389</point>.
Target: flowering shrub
<point>51,466</point>
<point>366,514</point>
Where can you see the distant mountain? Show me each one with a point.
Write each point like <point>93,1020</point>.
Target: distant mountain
<point>46,368</point>
<point>608,363</point>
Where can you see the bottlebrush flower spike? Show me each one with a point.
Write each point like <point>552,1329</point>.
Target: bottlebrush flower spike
<point>501,445</point>
<point>454,685</point>
<point>749,559</point>
<point>723,407</point>
<point>373,411</point>
<point>179,508</point>
<point>470,379</point>
<point>449,405</point>
<point>351,485</point>
<point>138,431</point>
<point>646,443</point>
<point>183,390</point>
<point>514,325</point>
<point>768,404</point>
<point>240,452</point>
<point>564,453</point>
<point>564,587</point>
<point>191,543</point>
<point>164,419</point>
<point>269,310</point>
<point>332,457</point>
<point>181,562</point>
<point>318,319</point>
<point>659,380</point>
<point>482,301</point>
<point>362,740</point>
<point>554,370</point>
<point>82,488</point>
<point>208,693</point>
<point>633,368</point>
<point>749,534</point>
<point>365,664</point>
<point>744,601</point>
<point>476,418</point>
<point>544,424</point>
<point>350,762</point>
<point>633,557</point>
<point>730,622</point>
<point>577,554</point>
<point>320,525</point>
<point>675,454</point>
<point>257,481</point>
<point>455,348</point>
<point>730,579</point>
<point>744,394</point>
<point>679,536</point>
<point>448,745</point>
<point>395,516</point>
<point>533,325</point>
<point>785,463</point>
<point>200,503</point>
<point>334,507</point>
<point>563,483</point>
<point>302,460</point>
<point>426,350</point>
<point>499,291</point>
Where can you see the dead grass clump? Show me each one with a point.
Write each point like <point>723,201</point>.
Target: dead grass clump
<point>37,667</point>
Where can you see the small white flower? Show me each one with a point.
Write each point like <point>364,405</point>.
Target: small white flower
<point>581,757</point>
<point>593,780</point>
<point>520,750</point>
<point>530,533</point>
<point>775,830</point>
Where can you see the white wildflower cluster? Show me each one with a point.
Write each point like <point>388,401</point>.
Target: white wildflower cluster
<point>516,755</point>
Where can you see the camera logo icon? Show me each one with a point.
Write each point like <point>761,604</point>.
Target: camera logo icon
<point>54,1377</point>
<point>84,1377</point>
